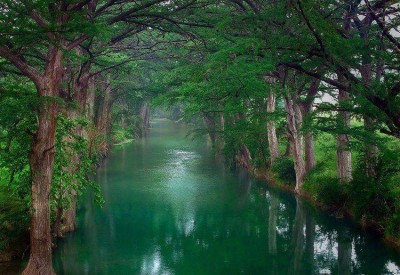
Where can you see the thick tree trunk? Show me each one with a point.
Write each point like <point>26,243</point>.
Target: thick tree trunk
<point>79,94</point>
<point>371,150</point>
<point>344,167</point>
<point>41,161</point>
<point>309,150</point>
<point>293,115</point>
<point>272,137</point>
<point>243,157</point>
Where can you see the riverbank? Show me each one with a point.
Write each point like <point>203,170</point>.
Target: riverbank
<point>272,179</point>
<point>17,248</point>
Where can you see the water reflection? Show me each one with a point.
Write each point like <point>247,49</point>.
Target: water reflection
<point>171,208</point>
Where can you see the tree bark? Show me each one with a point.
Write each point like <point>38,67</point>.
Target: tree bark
<point>344,166</point>
<point>293,115</point>
<point>41,160</point>
<point>221,130</point>
<point>243,157</point>
<point>209,122</point>
<point>371,150</point>
<point>91,99</point>
<point>306,109</point>
<point>271,130</point>
<point>103,122</point>
<point>144,118</point>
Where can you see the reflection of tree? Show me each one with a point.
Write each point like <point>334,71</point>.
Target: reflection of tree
<point>371,255</point>
<point>272,241</point>
<point>310,238</point>
<point>344,251</point>
<point>298,238</point>
<point>273,212</point>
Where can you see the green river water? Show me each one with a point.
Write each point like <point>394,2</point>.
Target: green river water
<point>172,208</point>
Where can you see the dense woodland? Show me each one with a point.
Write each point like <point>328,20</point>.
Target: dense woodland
<point>304,93</point>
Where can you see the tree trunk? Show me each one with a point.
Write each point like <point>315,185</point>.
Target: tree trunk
<point>104,112</point>
<point>306,109</point>
<point>91,99</point>
<point>371,150</point>
<point>79,94</point>
<point>221,129</point>
<point>144,118</point>
<point>293,115</point>
<point>309,150</point>
<point>344,167</point>
<point>289,143</point>
<point>272,137</point>
<point>209,122</point>
<point>243,157</point>
<point>41,161</point>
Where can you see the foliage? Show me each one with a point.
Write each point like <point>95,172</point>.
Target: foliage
<point>284,168</point>
<point>378,198</point>
<point>72,177</point>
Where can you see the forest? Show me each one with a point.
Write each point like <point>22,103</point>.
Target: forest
<point>301,93</point>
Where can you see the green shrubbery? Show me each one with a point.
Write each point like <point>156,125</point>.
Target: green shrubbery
<point>327,189</point>
<point>378,198</point>
<point>284,168</point>
<point>14,219</point>
<point>121,135</point>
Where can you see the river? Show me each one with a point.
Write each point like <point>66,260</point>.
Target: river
<point>172,208</point>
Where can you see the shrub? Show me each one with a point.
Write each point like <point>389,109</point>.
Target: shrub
<point>378,198</point>
<point>14,219</point>
<point>284,168</point>
<point>330,191</point>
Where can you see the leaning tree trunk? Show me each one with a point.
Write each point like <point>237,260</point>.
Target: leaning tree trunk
<point>344,167</point>
<point>293,115</point>
<point>243,157</point>
<point>271,130</point>
<point>41,159</point>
